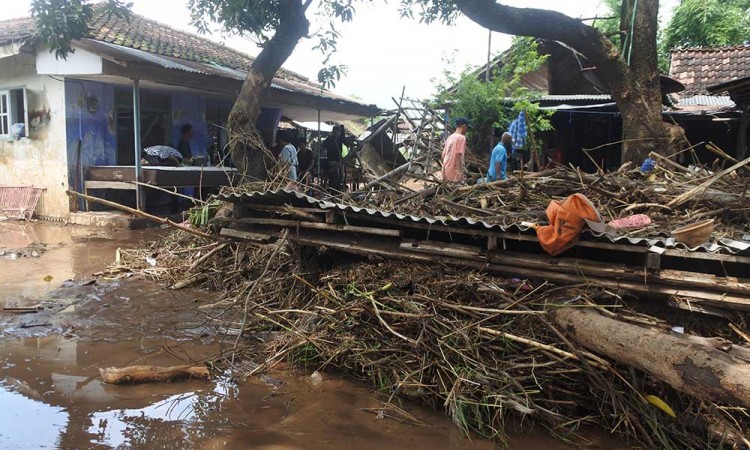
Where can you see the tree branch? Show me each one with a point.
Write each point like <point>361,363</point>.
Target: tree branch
<point>551,25</point>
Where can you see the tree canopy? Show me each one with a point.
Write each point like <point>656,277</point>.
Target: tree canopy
<point>708,23</point>
<point>61,21</point>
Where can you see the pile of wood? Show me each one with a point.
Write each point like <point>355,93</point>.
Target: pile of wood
<point>670,194</point>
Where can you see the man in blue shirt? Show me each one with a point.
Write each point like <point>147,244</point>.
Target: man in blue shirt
<point>499,159</point>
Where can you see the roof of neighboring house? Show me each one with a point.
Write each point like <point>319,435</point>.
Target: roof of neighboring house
<point>699,68</point>
<point>16,30</point>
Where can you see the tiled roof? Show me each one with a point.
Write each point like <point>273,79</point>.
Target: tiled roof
<point>16,30</point>
<point>698,68</point>
<point>151,36</point>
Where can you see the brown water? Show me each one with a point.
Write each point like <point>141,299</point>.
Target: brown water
<point>51,395</point>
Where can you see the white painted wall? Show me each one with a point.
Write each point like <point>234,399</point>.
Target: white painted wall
<point>41,160</point>
<point>80,62</point>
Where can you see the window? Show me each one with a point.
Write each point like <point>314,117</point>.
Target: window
<point>13,111</point>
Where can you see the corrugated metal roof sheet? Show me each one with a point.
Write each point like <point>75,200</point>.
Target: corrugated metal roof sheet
<point>294,198</point>
<point>707,100</point>
<point>146,56</point>
<point>577,97</point>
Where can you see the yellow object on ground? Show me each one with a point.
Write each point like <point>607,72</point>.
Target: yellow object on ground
<point>661,404</point>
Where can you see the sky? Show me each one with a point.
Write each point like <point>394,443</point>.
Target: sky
<point>383,52</point>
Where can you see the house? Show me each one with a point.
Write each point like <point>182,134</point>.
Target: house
<point>585,115</point>
<point>587,118</point>
<point>79,112</point>
<point>720,74</point>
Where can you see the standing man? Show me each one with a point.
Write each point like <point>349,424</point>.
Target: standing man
<point>183,145</point>
<point>453,153</point>
<point>288,158</point>
<point>306,160</point>
<point>499,159</point>
<point>333,146</point>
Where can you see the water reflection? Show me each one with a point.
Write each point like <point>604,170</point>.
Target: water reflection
<point>52,398</point>
<point>179,421</point>
<point>26,422</point>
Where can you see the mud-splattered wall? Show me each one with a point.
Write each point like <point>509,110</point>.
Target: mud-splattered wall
<point>41,159</point>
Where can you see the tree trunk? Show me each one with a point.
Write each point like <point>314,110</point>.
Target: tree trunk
<point>249,154</point>
<point>151,374</point>
<point>690,365</point>
<point>634,87</point>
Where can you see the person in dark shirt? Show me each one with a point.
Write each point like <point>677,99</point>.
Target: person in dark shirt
<point>333,146</point>
<point>305,160</point>
<point>183,145</point>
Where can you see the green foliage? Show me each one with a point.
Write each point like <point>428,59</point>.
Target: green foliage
<point>61,21</point>
<point>708,23</point>
<point>610,23</point>
<point>199,216</point>
<point>496,103</point>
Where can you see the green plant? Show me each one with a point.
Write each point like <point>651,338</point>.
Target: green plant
<point>497,102</point>
<point>200,215</point>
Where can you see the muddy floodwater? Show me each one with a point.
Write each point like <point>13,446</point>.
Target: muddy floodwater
<point>51,395</point>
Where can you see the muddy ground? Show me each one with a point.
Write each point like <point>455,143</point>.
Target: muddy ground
<point>51,395</point>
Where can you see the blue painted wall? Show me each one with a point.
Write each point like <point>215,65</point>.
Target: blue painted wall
<point>190,108</point>
<point>90,117</point>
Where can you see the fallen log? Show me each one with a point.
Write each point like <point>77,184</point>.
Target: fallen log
<point>687,364</point>
<point>151,374</point>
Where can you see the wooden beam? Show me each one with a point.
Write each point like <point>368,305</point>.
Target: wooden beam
<point>315,225</point>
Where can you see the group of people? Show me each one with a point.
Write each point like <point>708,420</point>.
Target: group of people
<point>455,150</point>
<point>298,160</point>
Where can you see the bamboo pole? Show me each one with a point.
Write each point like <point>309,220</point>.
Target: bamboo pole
<point>145,215</point>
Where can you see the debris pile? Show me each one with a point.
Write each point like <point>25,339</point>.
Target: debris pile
<point>484,347</point>
<point>670,197</point>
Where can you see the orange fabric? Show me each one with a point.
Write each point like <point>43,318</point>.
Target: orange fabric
<point>566,220</point>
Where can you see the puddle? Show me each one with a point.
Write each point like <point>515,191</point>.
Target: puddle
<point>70,252</point>
<point>52,398</point>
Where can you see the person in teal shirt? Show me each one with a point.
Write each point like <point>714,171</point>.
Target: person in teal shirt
<point>499,159</point>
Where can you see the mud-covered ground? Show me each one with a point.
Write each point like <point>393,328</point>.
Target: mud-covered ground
<point>51,395</point>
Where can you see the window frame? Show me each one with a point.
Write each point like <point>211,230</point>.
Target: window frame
<point>10,111</point>
<point>5,134</point>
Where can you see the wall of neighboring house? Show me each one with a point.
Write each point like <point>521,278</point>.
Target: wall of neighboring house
<point>41,159</point>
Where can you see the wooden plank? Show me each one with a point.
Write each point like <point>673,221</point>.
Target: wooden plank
<point>246,236</point>
<point>725,301</point>
<point>120,185</point>
<point>352,229</point>
<point>455,250</point>
<point>320,226</point>
<point>284,208</point>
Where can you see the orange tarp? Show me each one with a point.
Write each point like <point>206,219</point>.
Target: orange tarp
<point>567,220</point>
